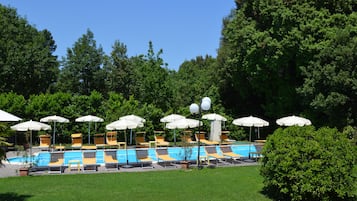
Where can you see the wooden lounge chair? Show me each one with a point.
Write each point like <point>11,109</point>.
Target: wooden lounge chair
<point>56,161</point>
<point>228,152</point>
<point>76,140</point>
<point>45,142</point>
<point>163,156</point>
<point>140,142</point>
<point>110,159</point>
<point>111,138</point>
<point>99,140</point>
<point>187,139</point>
<point>201,137</point>
<point>89,160</point>
<point>142,156</point>
<point>211,152</point>
<point>225,139</point>
<point>160,141</point>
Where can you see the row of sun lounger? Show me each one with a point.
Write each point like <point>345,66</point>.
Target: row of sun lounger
<point>110,141</point>
<point>163,157</point>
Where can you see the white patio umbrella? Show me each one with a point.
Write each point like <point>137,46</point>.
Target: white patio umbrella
<point>124,124</point>
<point>30,126</point>
<point>171,118</point>
<point>135,118</point>
<point>250,122</point>
<point>5,116</point>
<point>183,123</point>
<point>89,119</point>
<point>214,117</point>
<point>54,119</point>
<point>293,121</point>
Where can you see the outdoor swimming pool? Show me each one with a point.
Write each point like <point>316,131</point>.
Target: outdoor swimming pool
<point>43,158</point>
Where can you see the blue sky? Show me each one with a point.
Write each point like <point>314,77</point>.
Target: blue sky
<point>184,29</point>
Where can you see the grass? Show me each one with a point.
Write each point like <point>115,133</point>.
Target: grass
<point>229,183</point>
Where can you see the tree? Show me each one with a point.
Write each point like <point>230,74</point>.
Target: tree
<point>301,163</point>
<point>27,65</point>
<point>119,71</point>
<point>330,84</point>
<point>82,72</point>
<point>269,49</point>
<point>195,79</point>
<point>151,79</point>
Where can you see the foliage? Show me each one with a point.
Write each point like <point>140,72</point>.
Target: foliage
<point>280,57</point>
<point>82,72</point>
<point>27,65</point>
<point>301,163</point>
<point>3,141</point>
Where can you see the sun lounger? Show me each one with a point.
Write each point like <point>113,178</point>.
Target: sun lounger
<point>228,152</point>
<point>163,156</point>
<point>188,139</point>
<point>140,142</point>
<point>76,140</point>
<point>110,159</point>
<point>45,142</point>
<point>142,156</point>
<point>225,139</point>
<point>89,160</point>
<point>56,161</point>
<point>99,140</point>
<point>112,139</point>
<point>160,141</point>
<point>202,139</point>
<point>211,152</point>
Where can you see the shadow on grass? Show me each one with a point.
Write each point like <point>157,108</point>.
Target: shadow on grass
<point>13,197</point>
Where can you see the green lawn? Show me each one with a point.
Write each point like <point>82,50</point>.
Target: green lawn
<point>229,183</point>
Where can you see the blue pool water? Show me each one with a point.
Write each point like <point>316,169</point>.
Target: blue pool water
<point>43,158</point>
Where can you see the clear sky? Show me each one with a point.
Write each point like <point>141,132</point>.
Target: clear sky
<point>184,29</point>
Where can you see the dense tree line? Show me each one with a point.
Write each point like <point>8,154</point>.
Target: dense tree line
<point>276,58</point>
<point>291,57</point>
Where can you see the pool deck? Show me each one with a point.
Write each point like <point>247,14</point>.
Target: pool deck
<point>11,170</point>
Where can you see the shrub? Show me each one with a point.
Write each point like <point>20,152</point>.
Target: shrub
<point>301,163</point>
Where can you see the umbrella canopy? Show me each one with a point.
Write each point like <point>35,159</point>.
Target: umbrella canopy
<point>133,117</point>
<point>183,123</point>
<point>250,122</point>
<point>54,119</point>
<point>5,116</point>
<point>30,126</point>
<point>123,124</point>
<point>214,117</point>
<point>171,118</point>
<point>89,119</point>
<point>293,121</point>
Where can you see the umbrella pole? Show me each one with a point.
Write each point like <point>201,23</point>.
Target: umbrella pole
<point>89,133</point>
<point>126,152</point>
<point>175,137</point>
<point>54,133</point>
<point>250,139</point>
<point>30,147</point>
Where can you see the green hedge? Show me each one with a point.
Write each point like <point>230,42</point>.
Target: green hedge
<point>301,163</point>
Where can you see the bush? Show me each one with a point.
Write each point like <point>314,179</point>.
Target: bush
<point>301,163</point>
